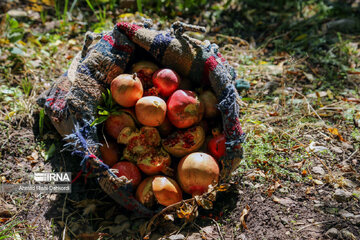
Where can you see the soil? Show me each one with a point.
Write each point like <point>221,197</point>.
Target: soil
<point>296,213</point>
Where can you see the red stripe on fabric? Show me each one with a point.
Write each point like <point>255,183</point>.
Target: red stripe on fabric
<point>210,65</point>
<point>221,57</point>
<point>130,29</point>
<point>124,48</point>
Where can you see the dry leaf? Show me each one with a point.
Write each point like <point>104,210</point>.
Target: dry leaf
<point>91,208</point>
<point>205,203</point>
<point>283,201</point>
<point>169,217</point>
<point>244,212</point>
<point>335,132</point>
<point>187,211</point>
<point>273,188</point>
<point>330,94</point>
<point>223,187</point>
<point>355,100</point>
<point>3,220</point>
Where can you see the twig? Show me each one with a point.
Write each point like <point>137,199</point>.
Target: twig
<point>316,223</point>
<point>218,228</point>
<point>242,41</point>
<point>309,105</point>
<point>352,155</point>
<point>63,209</point>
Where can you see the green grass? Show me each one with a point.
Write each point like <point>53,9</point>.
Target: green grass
<point>262,155</point>
<point>11,230</point>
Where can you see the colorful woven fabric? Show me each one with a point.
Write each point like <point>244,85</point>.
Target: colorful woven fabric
<point>71,102</point>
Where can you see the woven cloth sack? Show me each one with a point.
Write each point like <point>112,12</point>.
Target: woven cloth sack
<point>72,100</point>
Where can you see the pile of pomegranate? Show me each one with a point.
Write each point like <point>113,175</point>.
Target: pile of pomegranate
<point>165,139</point>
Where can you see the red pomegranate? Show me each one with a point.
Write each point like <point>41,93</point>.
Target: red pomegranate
<point>154,162</point>
<point>209,100</point>
<point>196,172</point>
<point>144,70</point>
<point>144,193</point>
<point>115,123</point>
<point>165,128</point>
<point>162,189</point>
<point>216,146</point>
<point>184,109</point>
<point>166,81</point>
<point>109,152</point>
<point>129,170</point>
<point>150,111</point>
<point>126,89</point>
<point>166,190</point>
<point>183,142</point>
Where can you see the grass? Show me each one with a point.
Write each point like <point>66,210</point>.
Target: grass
<point>13,229</point>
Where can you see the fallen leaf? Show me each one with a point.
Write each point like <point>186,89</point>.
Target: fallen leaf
<point>91,208</point>
<point>244,213</point>
<point>169,217</point>
<point>357,120</point>
<point>283,201</point>
<point>355,100</point>
<point>273,188</point>
<point>223,187</point>
<point>335,132</point>
<point>309,76</point>
<point>330,94</point>
<point>3,220</point>
<point>317,94</point>
<point>205,203</point>
<point>187,211</point>
<point>273,114</point>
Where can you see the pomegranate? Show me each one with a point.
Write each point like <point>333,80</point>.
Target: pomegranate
<point>183,142</point>
<point>144,193</point>
<point>196,172</point>
<point>129,170</point>
<point>154,162</point>
<point>109,152</point>
<point>166,81</point>
<point>153,91</point>
<point>126,89</point>
<point>143,147</point>
<point>216,146</point>
<point>144,70</point>
<point>166,190</point>
<point>162,189</point>
<point>184,109</point>
<point>148,136</point>
<point>209,100</point>
<point>165,128</point>
<point>115,123</point>
<point>150,111</point>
